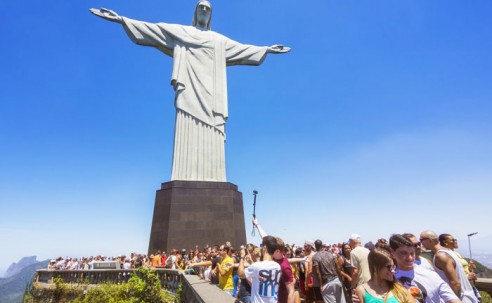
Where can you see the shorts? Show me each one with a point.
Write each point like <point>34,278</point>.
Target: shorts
<point>309,294</point>
<point>317,293</point>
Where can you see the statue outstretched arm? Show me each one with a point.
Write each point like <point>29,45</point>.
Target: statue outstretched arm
<point>107,14</point>
<point>278,49</point>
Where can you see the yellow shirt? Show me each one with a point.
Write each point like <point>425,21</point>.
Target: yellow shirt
<point>466,267</point>
<point>225,281</point>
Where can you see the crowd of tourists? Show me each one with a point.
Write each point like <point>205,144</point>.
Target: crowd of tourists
<point>87,263</point>
<point>390,270</point>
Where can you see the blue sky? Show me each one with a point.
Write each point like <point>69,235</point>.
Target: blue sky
<point>377,122</point>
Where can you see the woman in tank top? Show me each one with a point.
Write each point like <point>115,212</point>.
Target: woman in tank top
<point>346,272</point>
<point>382,288</point>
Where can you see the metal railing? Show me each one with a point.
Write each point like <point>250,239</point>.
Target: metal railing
<point>193,289</point>
<point>170,279</point>
<point>484,284</point>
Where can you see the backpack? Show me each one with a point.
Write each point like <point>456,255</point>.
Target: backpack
<point>169,262</point>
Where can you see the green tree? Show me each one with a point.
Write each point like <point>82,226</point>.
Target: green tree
<point>143,287</point>
<point>485,297</point>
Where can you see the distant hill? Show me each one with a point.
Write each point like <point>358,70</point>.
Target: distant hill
<point>482,271</point>
<point>12,288</point>
<point>15,268</point>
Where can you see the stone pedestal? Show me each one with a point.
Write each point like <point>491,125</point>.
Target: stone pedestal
<point>187,213</point>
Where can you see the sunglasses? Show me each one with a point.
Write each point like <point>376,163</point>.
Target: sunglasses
<point>418,244</point>
<point>391,267</point>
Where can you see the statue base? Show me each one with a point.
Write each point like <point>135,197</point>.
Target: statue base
<point>189,213</point>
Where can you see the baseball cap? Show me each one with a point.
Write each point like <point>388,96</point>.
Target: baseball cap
<point>309,242</point>
<point>355,237</point>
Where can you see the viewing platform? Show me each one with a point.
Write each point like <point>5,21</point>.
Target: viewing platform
<point>193,288</point>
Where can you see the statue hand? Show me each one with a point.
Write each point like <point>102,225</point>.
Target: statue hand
<point>107,14</point>
<point>278,49</point>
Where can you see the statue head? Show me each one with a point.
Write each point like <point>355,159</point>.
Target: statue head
<point>203,15</point>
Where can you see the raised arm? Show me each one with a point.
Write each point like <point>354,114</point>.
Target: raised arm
<point>204,263</point>
<point>107,14</point>
<point>240,270</point>
<point>297,260</point>
<point>260,230</point>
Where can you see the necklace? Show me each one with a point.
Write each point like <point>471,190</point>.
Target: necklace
<point>382,295</point>
<point>377,289</point>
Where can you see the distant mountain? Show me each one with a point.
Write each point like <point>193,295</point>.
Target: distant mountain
<point>15,268</point>
<point>12,288</point>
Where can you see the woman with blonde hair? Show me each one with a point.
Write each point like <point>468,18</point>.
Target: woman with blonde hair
<point>382,287</point>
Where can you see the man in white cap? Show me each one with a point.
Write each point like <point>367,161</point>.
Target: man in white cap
<point>358,257</point>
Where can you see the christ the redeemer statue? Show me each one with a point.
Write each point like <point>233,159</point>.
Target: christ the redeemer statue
<point>200,57</point>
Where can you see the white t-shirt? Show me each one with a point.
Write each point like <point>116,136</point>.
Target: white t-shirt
<point>73,266</point>
<point>358,257</point>
<point>425,264</point>
<point>425,285</point>
<point>60,265</point>
<point>265,279</point>
<point>172,260</point>
<point>127,265</point>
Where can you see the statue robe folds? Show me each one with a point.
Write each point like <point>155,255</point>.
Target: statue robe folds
<point>199,81</point>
